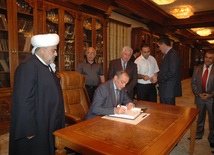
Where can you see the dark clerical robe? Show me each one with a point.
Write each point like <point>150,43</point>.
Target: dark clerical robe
<point>37,109</point>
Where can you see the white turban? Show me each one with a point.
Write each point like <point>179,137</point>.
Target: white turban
<point>44,40</point>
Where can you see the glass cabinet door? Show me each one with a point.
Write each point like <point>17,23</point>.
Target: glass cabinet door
<point>155,48</point>
<point>69,56</point>
<point>146,39</point>
<point>87,34</point>
<point>52,21</point>
<point>25,29</point>
<point>52,26</point>
<point>4,49</point>
<point>99,42</point>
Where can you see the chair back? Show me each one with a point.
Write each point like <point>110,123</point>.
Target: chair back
<point>76,100</point>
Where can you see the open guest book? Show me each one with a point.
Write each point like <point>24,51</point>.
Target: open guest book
<point>129,114</point>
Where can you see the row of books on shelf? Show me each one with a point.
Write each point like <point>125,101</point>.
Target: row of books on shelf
<point>24,44</point>
<point>3,3</point>
<point>4,65</point>
<point>3,44</point>
<point>3,22</point>
<point>25,25</point>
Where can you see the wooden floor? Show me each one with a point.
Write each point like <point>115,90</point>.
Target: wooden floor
<point>187,100</point>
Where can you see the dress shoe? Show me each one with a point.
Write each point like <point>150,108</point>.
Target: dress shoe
<point>212,145</point>
<point>196,138</point>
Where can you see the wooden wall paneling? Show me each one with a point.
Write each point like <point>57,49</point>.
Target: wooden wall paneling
<point>40,18</point>
<point>35,19</point>
<point>15,38</point>
<point>94,33</point>
<point>105,48</point>
<point>10,39</point>
<point>5,107</point>
<point>40,22</point>
<point>136,38</point>
<point>79,39</point>
<point>61,32</point>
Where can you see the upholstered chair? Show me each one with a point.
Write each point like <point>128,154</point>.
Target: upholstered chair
<point>76,100</point>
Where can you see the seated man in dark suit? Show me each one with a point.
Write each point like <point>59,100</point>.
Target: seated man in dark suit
<point>130,67</point>
<point>109,95</point>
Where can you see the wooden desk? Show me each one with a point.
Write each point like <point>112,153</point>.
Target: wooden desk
<point>156,134</point>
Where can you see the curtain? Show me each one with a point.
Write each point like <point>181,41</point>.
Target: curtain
<point>117,34</point>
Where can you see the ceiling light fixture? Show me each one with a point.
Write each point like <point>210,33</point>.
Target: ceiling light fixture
<point>202,31</point>
<point>211,41</point>
<point>182,12</point>
<point>163,2</point>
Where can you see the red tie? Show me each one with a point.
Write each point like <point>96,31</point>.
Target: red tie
<point>204,79</point>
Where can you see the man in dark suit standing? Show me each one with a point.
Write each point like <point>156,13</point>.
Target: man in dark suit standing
<point>135,55</point>
<point>109,95</point>
<point>123,63</point>
<point>169,78</point>
<point>203,88</point>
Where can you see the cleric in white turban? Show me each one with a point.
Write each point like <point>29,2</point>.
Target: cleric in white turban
<point>45,40</point>
<point>37,108</point>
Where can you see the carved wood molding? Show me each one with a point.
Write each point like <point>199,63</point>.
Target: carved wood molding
<point>31,3</point>
<point>40,4</point>
<point>49,6</point>
<point>73,13</point>
<point>40,23</point>
<point>5,104</point>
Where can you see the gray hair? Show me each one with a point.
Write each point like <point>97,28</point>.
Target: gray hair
<point>37,49</point>
<point>127,48</point>
<point>121,72</point>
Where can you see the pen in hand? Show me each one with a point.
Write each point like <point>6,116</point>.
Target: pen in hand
<point>144,115</point>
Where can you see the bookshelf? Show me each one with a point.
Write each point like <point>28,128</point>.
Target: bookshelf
<point>4,48</point>
<point>25,29</point>
<point>69,32</point>
<point>78,30</point>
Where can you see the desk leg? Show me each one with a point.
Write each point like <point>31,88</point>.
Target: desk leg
<point>193,130</point>
<point>60,147</point>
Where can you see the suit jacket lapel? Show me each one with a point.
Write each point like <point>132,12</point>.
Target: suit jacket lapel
<point>113,98</point>
<point>210,78</point>
<point>119,64</point>
<point>128,65</point>
<point>200,75</point>
<point>168,53</point>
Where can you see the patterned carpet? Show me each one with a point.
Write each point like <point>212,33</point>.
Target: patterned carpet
<point>187,100</point>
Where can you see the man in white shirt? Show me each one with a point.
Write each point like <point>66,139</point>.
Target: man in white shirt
<point>147,67</point>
